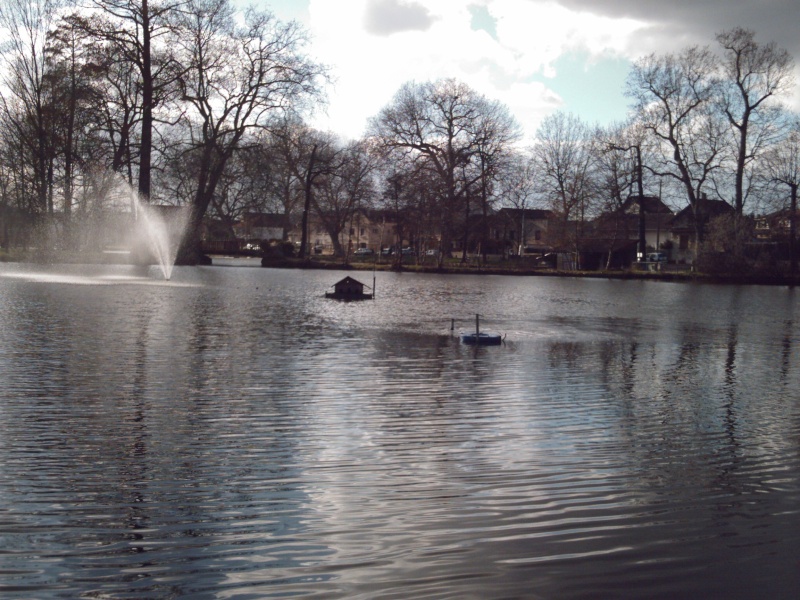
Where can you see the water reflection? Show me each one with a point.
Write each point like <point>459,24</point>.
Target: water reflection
<point>235,434</point>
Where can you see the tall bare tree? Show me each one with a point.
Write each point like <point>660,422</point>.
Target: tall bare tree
<point>346,189</point>
<point>136,31</point>
<point>26,103</point>
<point>70,79</point>
<point>565,159</point>
<point>409,199</point>
<point>235,78</point>
<point>621,171</point>
<point>446,126</point>
<point>305,156</point>
<point>516,188</point>
<point>782,167</point>
<point>754,77</point>
<point>116,103</point>
<point>673,97</point>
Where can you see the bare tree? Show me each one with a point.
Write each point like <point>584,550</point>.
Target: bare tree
<point>71,78</point>
<point>620,175</point>
<point>782,166</point>
<point>446,127</point>
<point>133,29</point>
<point>754,77</point>
<point>673,96</point>
<point>516,188</point>
<point>623,152</point>
<point>235,78</point>
<point>305,156</point>
<point>410,201</point>
<point>26,104</point>
<point>345,189</point>
<point>565,159</point>
<point>497,133</point>
<point>115,98</point>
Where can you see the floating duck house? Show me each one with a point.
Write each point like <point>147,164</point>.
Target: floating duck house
<point>348,289</point>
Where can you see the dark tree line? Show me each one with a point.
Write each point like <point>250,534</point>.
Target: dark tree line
<point>193,104</point>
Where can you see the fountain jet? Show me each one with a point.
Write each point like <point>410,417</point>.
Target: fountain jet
<point>161,229</point>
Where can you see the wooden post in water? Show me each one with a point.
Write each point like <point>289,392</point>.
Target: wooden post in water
<point>477,327</point>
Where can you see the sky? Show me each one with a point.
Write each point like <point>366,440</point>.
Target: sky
<point>535,56</point>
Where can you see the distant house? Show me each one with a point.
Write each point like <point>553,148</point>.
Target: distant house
<point>688,221</point>
<point>522,229</point>
<point>264,226</point>
<point>776,226</point>
<point>612,239</point>
<point>657,220</point>
<point>371,229</point>
<point>363,229</point>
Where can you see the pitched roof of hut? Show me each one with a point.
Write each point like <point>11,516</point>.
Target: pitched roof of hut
<point>349,281</point>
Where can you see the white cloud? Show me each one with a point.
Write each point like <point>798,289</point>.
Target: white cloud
<point>540,32</point>
<point>531,36</point>
<point>374,46</point>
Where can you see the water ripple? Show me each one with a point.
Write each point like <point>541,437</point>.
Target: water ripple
<point>235,435</point>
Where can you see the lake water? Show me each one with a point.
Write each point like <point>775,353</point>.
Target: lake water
<point>233,434</point>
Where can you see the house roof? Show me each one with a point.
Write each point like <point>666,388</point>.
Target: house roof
<point>629,223</point>
<point>650,204</point>
<point>704,210</point>
<point>783,213</point>
<point>348,280</point>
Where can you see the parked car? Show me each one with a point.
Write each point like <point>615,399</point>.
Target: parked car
<point>408,252</point>
<point>658,257</point>
<point>364,252</point>
<point>432,252</point>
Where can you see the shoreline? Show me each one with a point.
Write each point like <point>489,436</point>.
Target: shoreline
<point>667,276</point>
<point>674,276</point>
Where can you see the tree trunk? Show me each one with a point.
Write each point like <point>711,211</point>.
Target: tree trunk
<point>145,152</point>
<point>640,184</point>
<point>190,251</point>
<point>309,181</point>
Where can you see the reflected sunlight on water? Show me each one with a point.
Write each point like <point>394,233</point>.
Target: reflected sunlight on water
<point>232,433</point>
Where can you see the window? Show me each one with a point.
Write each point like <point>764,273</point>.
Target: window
<point>683,243</point>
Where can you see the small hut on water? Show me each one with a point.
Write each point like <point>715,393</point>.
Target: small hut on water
<point>348,289</point>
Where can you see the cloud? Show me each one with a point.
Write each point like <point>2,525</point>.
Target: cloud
<point>536,56</point>
<point>385,17</point>
<point>369,69</point>
<point>541,32</point>
<point>679,23</point>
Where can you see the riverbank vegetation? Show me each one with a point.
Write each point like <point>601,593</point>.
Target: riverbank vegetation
<point>203,106</point>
